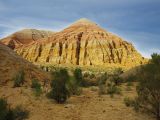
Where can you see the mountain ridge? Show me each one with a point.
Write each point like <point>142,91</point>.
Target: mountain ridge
<point>82,43</point>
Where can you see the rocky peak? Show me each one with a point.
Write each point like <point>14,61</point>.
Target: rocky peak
<point>84,21</point>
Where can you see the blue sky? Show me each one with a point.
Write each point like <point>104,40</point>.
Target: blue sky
<point>137,21</point>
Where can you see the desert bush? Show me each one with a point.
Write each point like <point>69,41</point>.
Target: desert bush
<point>86,74</point>
<point>148,89</point>
<point>4,110</point>
<point>74,86</point>
<point>132,103</point>
<point>131,78</point>
<point>116,79</point>
<point>6,113</point>
<point>116,76</point>
<point>113,89</point>
<point>36,87</point>
<point>20,113</point>
<point>118,71</point>
<point>19,79</point>
<point>128,101</point>
<point>102,84</point>
<point>78,76</point>
<point>35,83</point>
<point>128,88</point>
<point>94,88</point>
<point>59,90</point>
<point>129,84</point>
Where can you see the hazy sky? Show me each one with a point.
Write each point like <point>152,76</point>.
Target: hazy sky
<point>137,21</point>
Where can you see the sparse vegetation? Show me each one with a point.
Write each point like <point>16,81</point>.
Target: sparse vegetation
<point>20,113</point>
<point>6,113</point>
<point>19,79</point>
<point>148,89</point>
<point>59,90</point>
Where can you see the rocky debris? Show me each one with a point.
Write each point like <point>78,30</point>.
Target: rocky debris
<point>11,64</point>
<point>69,106</point>
<point>83,43</point>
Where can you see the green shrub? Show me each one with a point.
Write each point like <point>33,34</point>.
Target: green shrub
<point>91,76</point>
<point>131,78</point>
<point>59,90</point>
<point>129,84</point>
<point>37,91</point>
<point>74,86</point>
<point>86,74</point>
<point>118,71</point>
<point>6,113</point>
<point>132,103</point>
<point>36,87</point>
<point>35,83</point>
<point>20,113</point>
<point>78,76</point>
<point>148,89</point>
<point>116,79</point>
<point>19,79</point>
<point>102,84</point>
<point>4,110</point>
<point>113,89</point>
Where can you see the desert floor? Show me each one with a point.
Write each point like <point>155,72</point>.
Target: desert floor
<point>88,106</point>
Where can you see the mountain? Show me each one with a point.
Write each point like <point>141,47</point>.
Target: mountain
<point>24,37</point>
<point>11,64</point>
<point>83,43</point>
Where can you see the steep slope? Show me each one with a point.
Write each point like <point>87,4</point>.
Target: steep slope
<point>24,37</point>
<point>11,64</point>
<point>82,43</point>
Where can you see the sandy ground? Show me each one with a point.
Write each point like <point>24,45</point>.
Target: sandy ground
<point>88,106</point>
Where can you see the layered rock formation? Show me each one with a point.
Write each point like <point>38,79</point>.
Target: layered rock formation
<point>24,37</point>
<point>11,64</point>
<point>83,43</point>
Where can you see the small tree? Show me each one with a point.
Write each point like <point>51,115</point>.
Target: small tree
<point>78,76</point>
<point>59,90</point>
<point>149,87</point>
<point>19,78</point>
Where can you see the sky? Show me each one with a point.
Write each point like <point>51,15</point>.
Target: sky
<point>136,21</point>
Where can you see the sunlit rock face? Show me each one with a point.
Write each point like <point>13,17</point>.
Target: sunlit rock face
<point>82,43</point>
